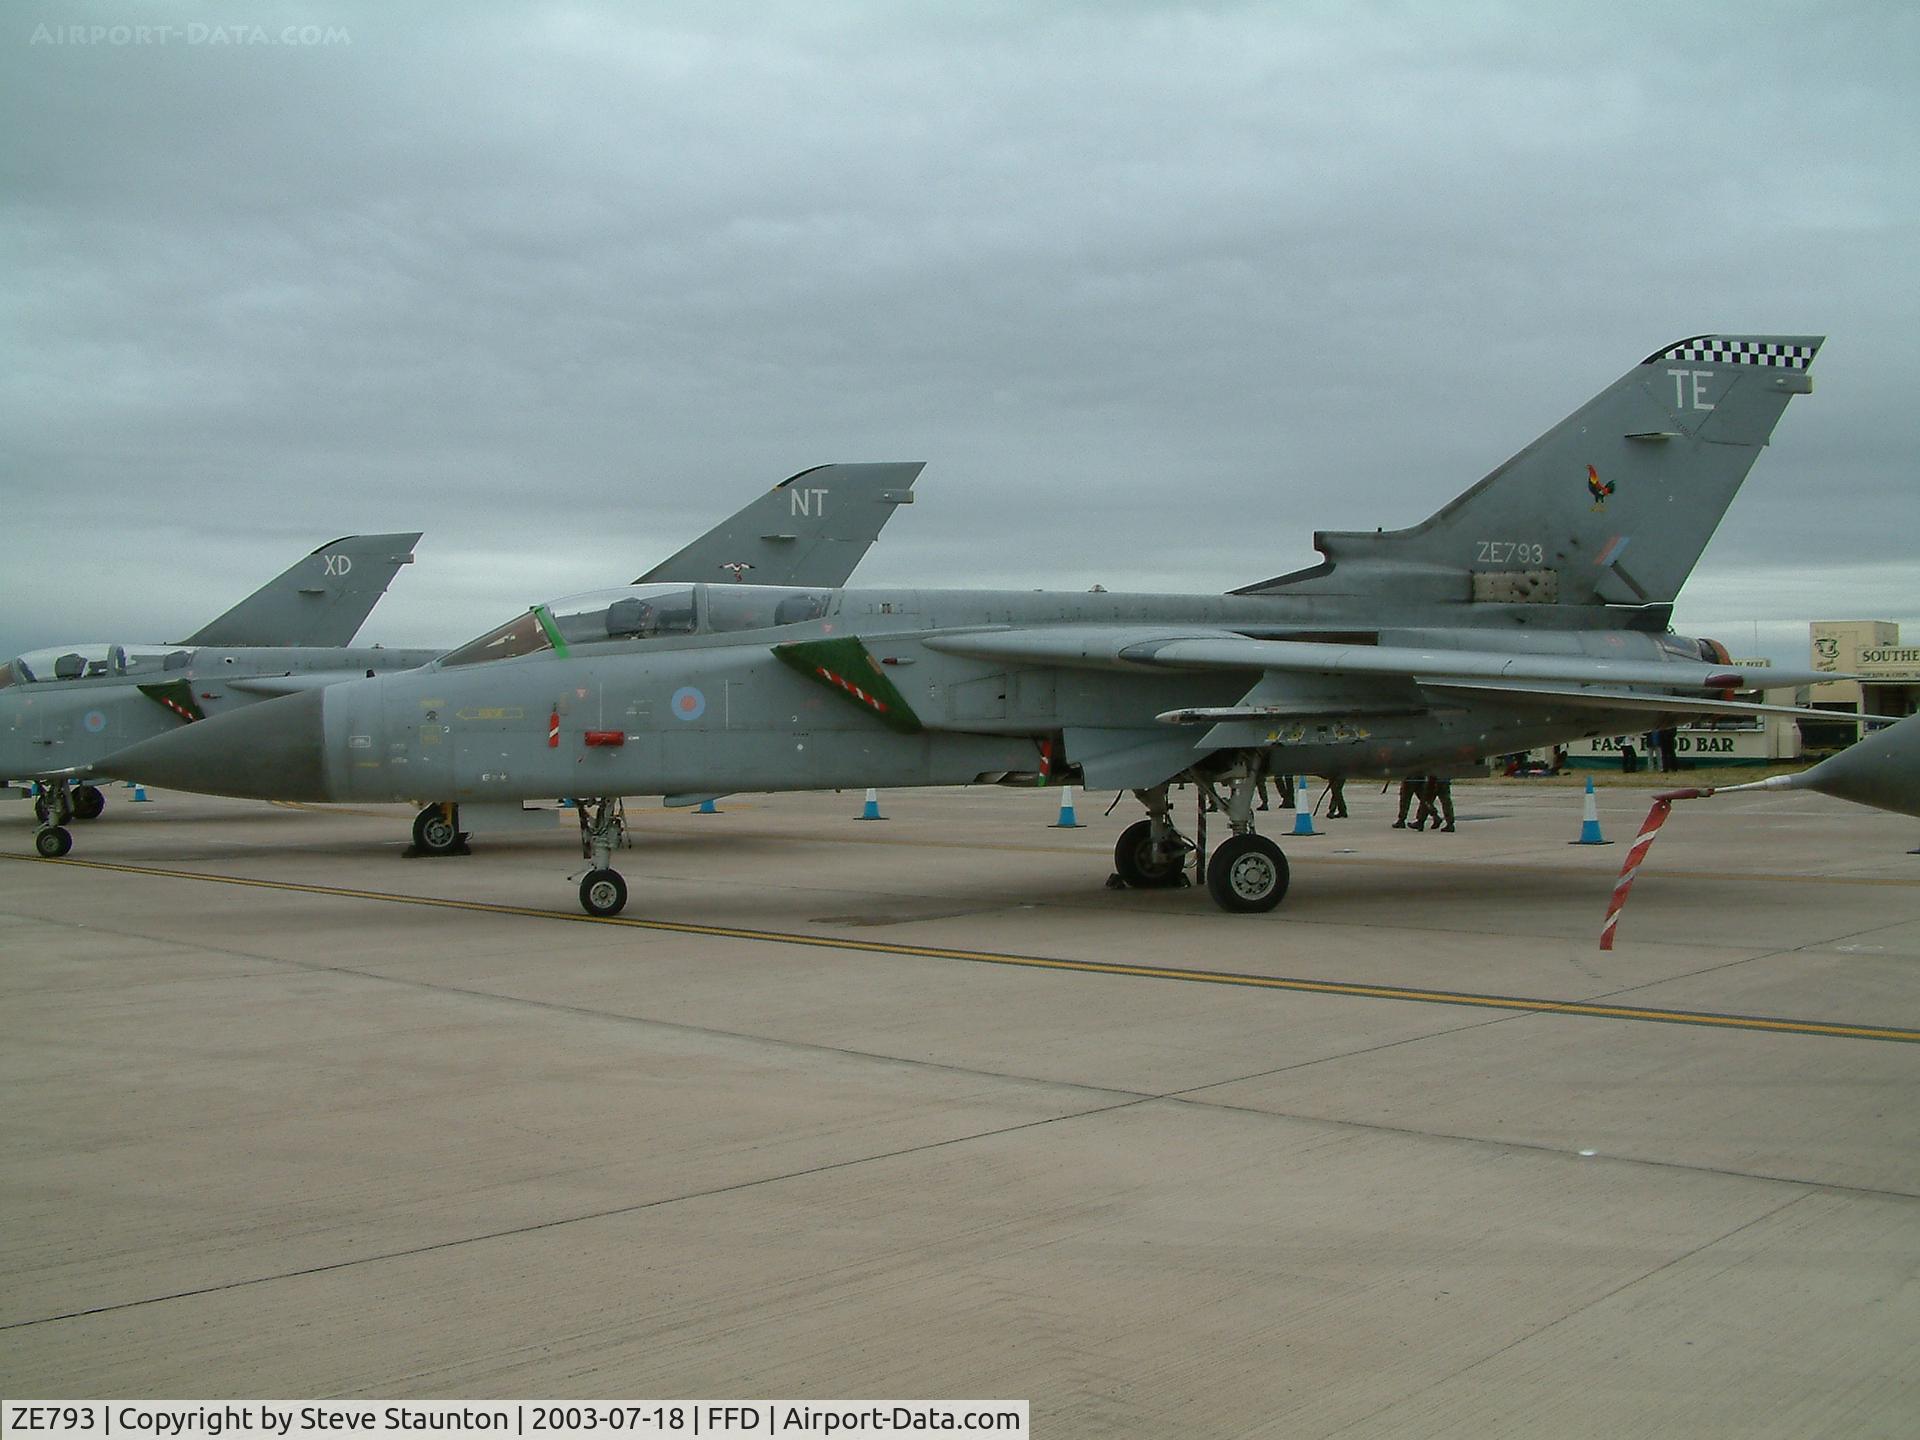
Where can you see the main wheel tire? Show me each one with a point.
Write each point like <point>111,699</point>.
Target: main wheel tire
<point>1247,874</point>
<point>88,803</point>
<point>603,892</point>
<point>1135,862</point>
<point>52,842</point>
<point>436,830</point>
<point>41,812</point>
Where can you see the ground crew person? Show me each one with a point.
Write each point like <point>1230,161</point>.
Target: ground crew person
<point>1409,791</point>
<point>1436,799</point>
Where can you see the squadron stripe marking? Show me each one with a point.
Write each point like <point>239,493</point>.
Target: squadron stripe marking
<point>1589,1010</point>
<point>871,702</point>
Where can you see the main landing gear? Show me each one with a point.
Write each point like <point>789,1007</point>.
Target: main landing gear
<point>1152,855</point>
<point>436,831</point>
<point>1247,874</point>
<point>84,802</point>
<point>603,829</point>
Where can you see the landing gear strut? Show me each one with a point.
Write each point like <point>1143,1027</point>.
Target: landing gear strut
<point>603,829</point>
<point>53,810</point>
<point>1248,873</point>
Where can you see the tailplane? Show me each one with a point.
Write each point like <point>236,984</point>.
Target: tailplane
<point>1610,507</point>
<point>323,600</point>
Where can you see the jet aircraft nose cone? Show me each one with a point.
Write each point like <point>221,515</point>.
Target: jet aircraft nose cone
<point>1882,770</point>
<point>275,750</point>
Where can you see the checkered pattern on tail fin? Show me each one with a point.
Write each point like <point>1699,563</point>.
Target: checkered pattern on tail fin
<point>1740,350</point>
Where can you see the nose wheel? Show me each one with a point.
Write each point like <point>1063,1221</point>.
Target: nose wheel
<point>603,892</point>
<point>436,831</point>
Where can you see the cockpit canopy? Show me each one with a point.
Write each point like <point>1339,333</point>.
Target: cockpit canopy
<point>1685,647</point>
<point>643,612</point>
<point>86,662</point>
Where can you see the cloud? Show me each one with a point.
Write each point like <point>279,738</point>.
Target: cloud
<point>1157,291</point>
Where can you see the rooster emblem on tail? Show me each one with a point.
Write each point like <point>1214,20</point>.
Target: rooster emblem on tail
<point>1598,488</point>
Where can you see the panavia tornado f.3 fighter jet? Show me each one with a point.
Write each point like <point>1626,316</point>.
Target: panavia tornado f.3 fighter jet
<point>64,708</point>
<point>1531,610</point>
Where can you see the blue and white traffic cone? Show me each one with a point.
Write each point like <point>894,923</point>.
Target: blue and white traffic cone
<point>1302,809</point>
<point>1590,821</point>
<point>871,810</point>
<point>1067,820</point>
<point>707,807</point>
<point>139,791</point>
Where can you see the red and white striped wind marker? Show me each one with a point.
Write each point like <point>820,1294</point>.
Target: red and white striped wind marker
<point>1643,842</point>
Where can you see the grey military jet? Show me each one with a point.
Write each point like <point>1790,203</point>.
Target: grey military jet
<point>65,705</point>
<point>1881,772</point>
<point>812,529</point>
<point>60,710</point>
<point>1530,610</point>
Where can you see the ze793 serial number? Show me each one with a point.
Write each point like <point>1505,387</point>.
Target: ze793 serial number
<point>1509,552</point>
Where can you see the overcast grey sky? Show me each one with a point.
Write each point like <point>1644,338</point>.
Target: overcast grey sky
<point>1156,290</point>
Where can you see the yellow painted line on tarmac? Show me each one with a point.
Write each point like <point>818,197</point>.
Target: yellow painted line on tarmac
<point>1296,856</point>
<point>1701,1018</point>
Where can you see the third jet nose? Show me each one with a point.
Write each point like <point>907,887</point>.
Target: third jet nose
<point>275,750</point>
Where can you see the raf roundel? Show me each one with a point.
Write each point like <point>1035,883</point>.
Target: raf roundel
<point>688,703</point>
<point>95,721</point>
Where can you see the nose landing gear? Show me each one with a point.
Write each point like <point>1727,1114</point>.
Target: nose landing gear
<point>603,829</point>
<point>60,802</point>
<point>436,831</point>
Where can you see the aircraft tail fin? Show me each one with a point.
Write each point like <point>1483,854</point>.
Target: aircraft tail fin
<point>811,529</point>
<point>1612,506</point>
<point>322,600</point>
